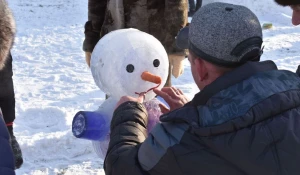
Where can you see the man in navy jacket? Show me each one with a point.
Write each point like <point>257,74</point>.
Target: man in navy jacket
<point>243,121</point>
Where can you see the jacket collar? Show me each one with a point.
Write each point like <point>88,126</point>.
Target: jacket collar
<point>239,74</point>
<point>225,81</point>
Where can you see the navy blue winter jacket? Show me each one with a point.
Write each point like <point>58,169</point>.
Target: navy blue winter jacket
<point>6,156</point>
<point>247,122</point>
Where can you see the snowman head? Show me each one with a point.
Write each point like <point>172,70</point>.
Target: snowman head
<point>129,62</point>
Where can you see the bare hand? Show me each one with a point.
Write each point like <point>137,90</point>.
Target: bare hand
<point>173,96</point>
<point>124,99</point>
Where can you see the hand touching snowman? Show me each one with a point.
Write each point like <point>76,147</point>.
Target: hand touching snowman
<point>174,98</point>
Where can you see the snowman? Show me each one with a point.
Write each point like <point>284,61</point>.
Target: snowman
<point>125,62</point>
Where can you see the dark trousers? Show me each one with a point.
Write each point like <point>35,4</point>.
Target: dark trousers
<point>192,5</point>
<point>7,102</point>
<point>7,95</point>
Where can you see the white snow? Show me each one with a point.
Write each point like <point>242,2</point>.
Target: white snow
<point>53,82</point>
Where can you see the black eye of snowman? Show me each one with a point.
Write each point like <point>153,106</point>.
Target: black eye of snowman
<point>156,63</point>
<point>130,68</point>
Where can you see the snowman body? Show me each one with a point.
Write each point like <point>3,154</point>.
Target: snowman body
<point>107,109</point>
<point>128,62</point>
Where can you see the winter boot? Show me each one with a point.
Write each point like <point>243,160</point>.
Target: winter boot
<point>192,8</point>
<point>15,148</point>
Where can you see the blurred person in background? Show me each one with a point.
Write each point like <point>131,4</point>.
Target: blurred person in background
<point>160,18</point>
<point>7,95</point>
<point>295,5</point>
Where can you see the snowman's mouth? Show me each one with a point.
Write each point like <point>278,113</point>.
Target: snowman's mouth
<point>147,76</point>
<point>144,93</point>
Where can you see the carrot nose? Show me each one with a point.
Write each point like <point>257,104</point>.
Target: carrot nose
<point>147,76</point>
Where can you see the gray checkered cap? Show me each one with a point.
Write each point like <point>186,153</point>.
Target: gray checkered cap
<point>224,34</point>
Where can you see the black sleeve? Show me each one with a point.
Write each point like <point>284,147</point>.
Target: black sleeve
<point>131,151</point>
<point>92,28</point>
<point>128,131</point>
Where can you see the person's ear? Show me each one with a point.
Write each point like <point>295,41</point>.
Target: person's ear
<point>201,69</point>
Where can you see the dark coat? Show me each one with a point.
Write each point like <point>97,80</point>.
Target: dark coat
<point>7,32</point>
<point>245,122</point>
<point>160,18</point>
<point>288,2</point>
<point>7,165</point>
<point>6,72</point>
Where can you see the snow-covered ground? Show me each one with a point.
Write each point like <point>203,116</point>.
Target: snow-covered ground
<point>53,82</point>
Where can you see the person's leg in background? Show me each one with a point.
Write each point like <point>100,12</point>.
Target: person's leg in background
<point>192,8</point>
<point>7,105</point>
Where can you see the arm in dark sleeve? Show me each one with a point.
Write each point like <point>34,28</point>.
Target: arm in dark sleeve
<point>128,130</point>
<point>96,16</point>
<point>132,152</point>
